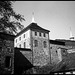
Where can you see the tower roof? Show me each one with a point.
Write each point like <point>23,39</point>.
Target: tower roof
<point>34,27</point>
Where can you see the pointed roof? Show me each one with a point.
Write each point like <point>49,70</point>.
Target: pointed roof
<point>34,27</point>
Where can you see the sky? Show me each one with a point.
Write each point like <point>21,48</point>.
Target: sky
<point>56,16</point>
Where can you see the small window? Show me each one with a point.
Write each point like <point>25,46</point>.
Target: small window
<point>35,33</point>
<point>36,43</point>
<point>24,44</point>
<point>44,35</point>
<point>39,34</point>
<point>45,44</point>
<point>20,45</point>
<point>24,35</point>
<point>19,38</point>
<point>16,40</point>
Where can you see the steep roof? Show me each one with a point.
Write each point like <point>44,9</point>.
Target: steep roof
<point>33,26</point>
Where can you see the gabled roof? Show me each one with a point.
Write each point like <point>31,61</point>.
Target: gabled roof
<point>33,26</point>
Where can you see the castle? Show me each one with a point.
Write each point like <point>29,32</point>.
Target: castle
<point>33,44</point>
<point>35,38</point>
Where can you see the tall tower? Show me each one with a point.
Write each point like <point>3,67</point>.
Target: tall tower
<point>35,38</point>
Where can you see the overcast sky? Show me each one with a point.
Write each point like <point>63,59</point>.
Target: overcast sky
<point>56,16</point>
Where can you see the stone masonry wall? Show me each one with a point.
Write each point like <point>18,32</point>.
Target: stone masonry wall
<point>28,55</point>
<point>41,55</point>
<point>7,50</point>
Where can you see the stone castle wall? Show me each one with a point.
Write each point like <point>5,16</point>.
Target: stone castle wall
<point>41,55</point>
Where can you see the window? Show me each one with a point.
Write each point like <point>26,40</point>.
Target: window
<point>44,35</point>
<point>39,34</point>
<point>24,35</point>
<point>35,33</point>
<point>36,43</point>
<point>45,45</point>
<point>19,38</point>
<point>16,40</point>
<point>24,44</point>
<point>20,45</point>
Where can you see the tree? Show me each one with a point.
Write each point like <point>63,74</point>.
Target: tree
<point>9,19</point>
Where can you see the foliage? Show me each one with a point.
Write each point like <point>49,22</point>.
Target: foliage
<point>6,13</point>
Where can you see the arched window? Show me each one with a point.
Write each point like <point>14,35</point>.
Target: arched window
<point>45,44</point>
<point>35,43</point>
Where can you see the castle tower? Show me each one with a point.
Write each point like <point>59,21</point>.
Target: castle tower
<point>35,38</point>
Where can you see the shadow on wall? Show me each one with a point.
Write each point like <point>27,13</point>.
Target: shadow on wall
<point>21,63</point>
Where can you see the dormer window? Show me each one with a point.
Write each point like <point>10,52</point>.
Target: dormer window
<point>35,33</point>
